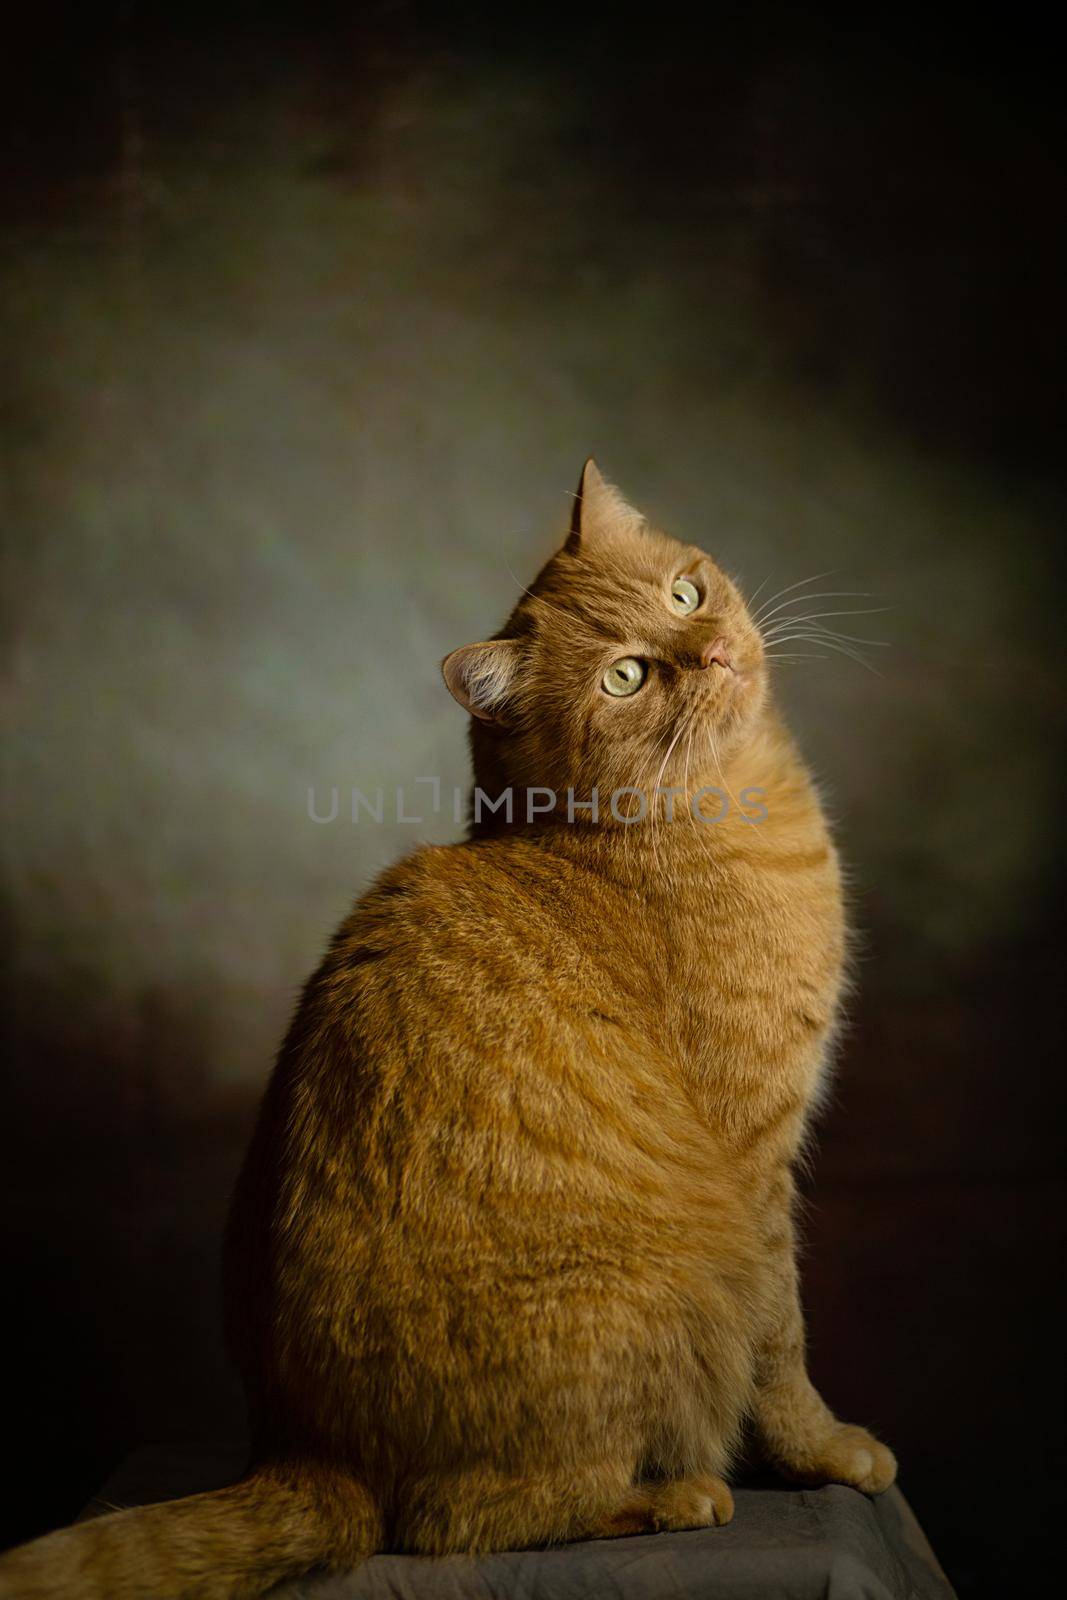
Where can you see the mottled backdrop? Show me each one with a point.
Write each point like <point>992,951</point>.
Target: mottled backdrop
<point>309,324</point>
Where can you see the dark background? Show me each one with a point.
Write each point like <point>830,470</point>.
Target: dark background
<point>310,320</point>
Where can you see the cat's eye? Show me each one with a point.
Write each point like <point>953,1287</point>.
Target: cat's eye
<point>625,676</point>
<point>685,596</point>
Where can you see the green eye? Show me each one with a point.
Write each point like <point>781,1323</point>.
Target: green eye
<point>625,676</point>
<point>685,596</point>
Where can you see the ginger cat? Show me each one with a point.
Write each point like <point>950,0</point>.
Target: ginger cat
<point>512,1255</point>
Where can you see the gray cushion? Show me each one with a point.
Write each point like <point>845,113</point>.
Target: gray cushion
<point>783,1544</point>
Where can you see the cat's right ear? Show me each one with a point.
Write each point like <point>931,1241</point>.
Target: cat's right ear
<point>481,676</point>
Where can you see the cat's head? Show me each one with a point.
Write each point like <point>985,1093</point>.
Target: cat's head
<point>630,661</point>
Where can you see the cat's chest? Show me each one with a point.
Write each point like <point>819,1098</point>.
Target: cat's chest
<point>747,961</point>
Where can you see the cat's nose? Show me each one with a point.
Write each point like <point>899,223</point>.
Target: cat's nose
<point>717,650</point>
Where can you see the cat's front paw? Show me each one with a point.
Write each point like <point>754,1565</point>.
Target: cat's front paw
<point>845,1455</point>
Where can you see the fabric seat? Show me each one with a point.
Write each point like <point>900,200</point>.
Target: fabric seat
<point>783,1544</point>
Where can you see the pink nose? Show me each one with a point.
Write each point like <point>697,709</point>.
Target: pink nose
<point>717,650</point>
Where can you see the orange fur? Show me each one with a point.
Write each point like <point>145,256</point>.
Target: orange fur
<point>512,1257</point>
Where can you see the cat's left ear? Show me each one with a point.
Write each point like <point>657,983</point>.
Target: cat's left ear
<point>481,677</point>
<point>600,513</point>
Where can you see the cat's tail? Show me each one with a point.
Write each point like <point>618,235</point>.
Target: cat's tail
<point>231,1544</point>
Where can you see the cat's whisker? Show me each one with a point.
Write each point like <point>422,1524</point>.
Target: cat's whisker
<point>655,787</point>
<point>674,732</point>
<point>687,729</point>
<point>814,632</point>
<point>722,776</point>
<point>835,633</point>
<point>813,616</point>
<point>819,594</point>
<point>823,630</point>
<point>788,590</point>
<point>685,779</point>
<point>789,587</point>
<point>643,776</point>
<point>832,644</point>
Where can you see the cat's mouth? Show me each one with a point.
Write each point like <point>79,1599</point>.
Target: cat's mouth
<point>727,662</point>
<point>726,688</point>
<point>723,677</point>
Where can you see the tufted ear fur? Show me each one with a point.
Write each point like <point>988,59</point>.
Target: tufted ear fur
<point>600,512</point>
<point>480,676</point>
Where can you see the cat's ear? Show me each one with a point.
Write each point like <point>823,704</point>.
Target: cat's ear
<point>480,677</point>
<point>600,513</point>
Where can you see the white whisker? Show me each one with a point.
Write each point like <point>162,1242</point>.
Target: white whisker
<point>813,616</point>
<point>831,644</point>
<point>789,588</point>
<point>835,633</point>
<point>819,594</point>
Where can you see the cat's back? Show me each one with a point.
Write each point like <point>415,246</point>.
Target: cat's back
<point>459,920</point>
<point>458,1132</point>
<point>472,975</point>
<point>464,1063</point>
